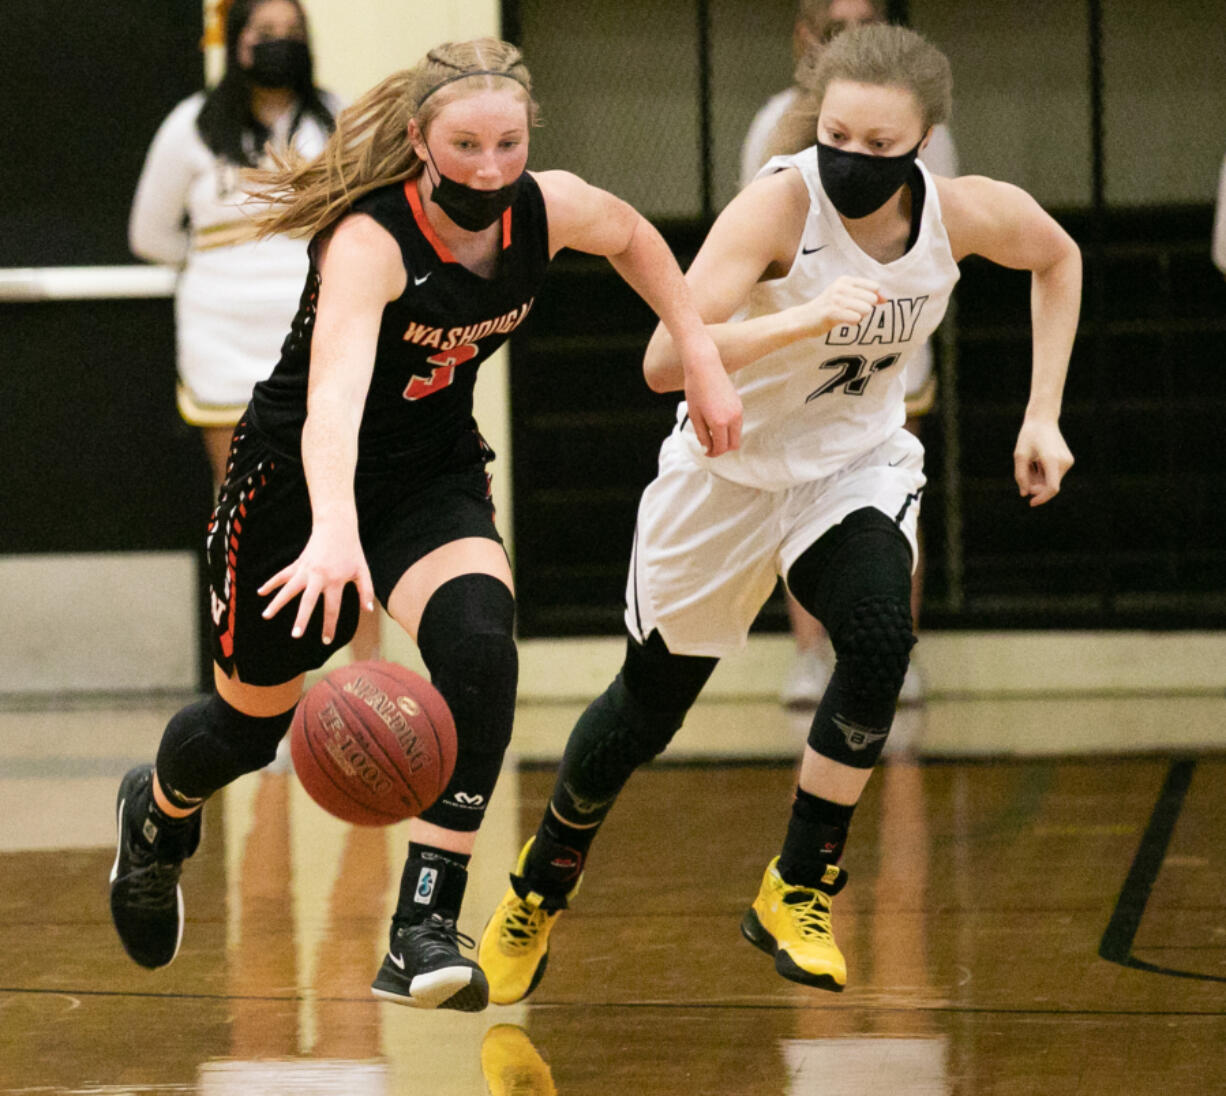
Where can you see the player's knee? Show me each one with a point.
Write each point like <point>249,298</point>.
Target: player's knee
<point>210,743</point>
<point>864,555</point>
<point>648,702</point>
<point>873,647</point>
<point>629,724</point>
<point>616,735</point>
<point>466,638</point>
<point>479,679</point>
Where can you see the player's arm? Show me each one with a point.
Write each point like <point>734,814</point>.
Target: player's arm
<point>588,219</point>
<point>360,271</point>
<point>756,235</point>
<point>1003,223</point>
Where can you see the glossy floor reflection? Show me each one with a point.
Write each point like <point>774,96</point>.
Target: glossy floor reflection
<point>982,894</point>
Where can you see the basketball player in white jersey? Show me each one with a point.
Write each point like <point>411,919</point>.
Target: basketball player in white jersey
<point>816,282</point>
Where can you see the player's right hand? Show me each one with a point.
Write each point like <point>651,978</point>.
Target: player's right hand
<point>330,561</point>
<point>846,300</point>
<point>711,398</point>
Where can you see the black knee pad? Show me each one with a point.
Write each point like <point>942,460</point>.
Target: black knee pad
<point>857,580</point>
<point>865,556</point>
<point>661,680</point>
<point>208,744</point>
<point>856,712</point>
<point>629,724</point>
<point>873,645</point>
<point>467,640</point>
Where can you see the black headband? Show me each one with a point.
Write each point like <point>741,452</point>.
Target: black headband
<point>465,76</point>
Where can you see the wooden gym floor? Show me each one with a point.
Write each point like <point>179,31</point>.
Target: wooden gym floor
<point>1051,925</point>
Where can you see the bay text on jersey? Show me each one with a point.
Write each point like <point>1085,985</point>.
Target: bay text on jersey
<point>893,321</point>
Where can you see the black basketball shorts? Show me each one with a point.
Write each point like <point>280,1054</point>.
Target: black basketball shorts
<point>262,523</point>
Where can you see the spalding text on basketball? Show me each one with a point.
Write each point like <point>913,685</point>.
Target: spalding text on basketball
<point>389,711</point>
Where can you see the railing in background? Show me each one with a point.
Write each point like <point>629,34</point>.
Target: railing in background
<point>80,283</point>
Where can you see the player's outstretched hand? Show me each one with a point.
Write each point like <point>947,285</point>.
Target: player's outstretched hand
<point>711,398</point>
<point>1040,460</point>
<point>330,561</point>
<point>846,300</point>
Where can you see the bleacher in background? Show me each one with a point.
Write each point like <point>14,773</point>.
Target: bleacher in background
<point>1137,537</point>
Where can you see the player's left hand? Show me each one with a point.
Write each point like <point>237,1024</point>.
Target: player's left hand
<point>1040,460</point>
<point>711,398</point>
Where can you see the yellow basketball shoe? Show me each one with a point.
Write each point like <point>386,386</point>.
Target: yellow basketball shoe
<point>512,1066</point>
<point>515,944</point>
<point>793,924</point>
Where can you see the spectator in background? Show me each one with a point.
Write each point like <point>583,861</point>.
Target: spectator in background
<point>1219,223</point>
<point>779,129</point>
<point>235,299</point>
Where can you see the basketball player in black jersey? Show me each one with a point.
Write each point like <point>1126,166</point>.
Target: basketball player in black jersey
<point>358,472</point>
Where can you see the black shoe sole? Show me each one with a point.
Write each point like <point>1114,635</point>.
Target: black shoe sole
<point>537,975</point>
<point>752,930</point>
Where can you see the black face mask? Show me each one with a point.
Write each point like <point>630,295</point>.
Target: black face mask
<point>280,63</point>
<point>470,208</point>
<point>858,184</point>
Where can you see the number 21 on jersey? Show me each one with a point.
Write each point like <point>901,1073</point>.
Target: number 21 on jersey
<point>854,373</point>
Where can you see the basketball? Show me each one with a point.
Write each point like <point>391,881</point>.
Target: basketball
<point>373,743</point>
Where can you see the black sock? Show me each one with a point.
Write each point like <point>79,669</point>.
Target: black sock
<point>432,884</point>
<point>169,821</point>
<point>817,832</point>
<point>558,855</point>
<point>169,837</point>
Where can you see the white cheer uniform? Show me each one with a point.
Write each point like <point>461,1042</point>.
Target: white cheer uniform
<point>822,436</point>
<point>234,301</point>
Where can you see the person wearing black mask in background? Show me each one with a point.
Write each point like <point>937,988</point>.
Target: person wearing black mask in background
<point>818,282</point>
<point>235,298</point>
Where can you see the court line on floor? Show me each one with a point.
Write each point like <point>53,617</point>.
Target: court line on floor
<point>1121,931</point>
<point>789,1005</point>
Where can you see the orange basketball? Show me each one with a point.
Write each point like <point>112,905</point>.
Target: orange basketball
<point>373,743</point>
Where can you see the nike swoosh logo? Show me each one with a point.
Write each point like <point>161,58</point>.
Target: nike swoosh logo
<point>396,959</point>
<point>419,281</point>
<point>811,250</point>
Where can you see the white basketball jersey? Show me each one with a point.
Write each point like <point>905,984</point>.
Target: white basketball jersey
<point>812,407</point>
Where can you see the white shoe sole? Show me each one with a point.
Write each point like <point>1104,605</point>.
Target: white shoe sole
<point>431,990</point>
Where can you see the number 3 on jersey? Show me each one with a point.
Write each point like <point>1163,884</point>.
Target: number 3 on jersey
<point>444,362</point>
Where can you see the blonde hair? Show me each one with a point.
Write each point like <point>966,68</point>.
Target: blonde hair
<point>370,147</point>
<point>875,53</point>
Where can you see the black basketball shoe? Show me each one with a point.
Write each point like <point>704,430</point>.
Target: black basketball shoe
<point>423,968</point>
<point>146,902</point>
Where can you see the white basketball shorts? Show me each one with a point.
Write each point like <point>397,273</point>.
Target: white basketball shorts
<point>707,551</point>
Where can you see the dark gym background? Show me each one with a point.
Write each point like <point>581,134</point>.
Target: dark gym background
<point>652,99</point>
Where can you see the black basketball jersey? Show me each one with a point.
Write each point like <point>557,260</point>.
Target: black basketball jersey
<point>432,337</point>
